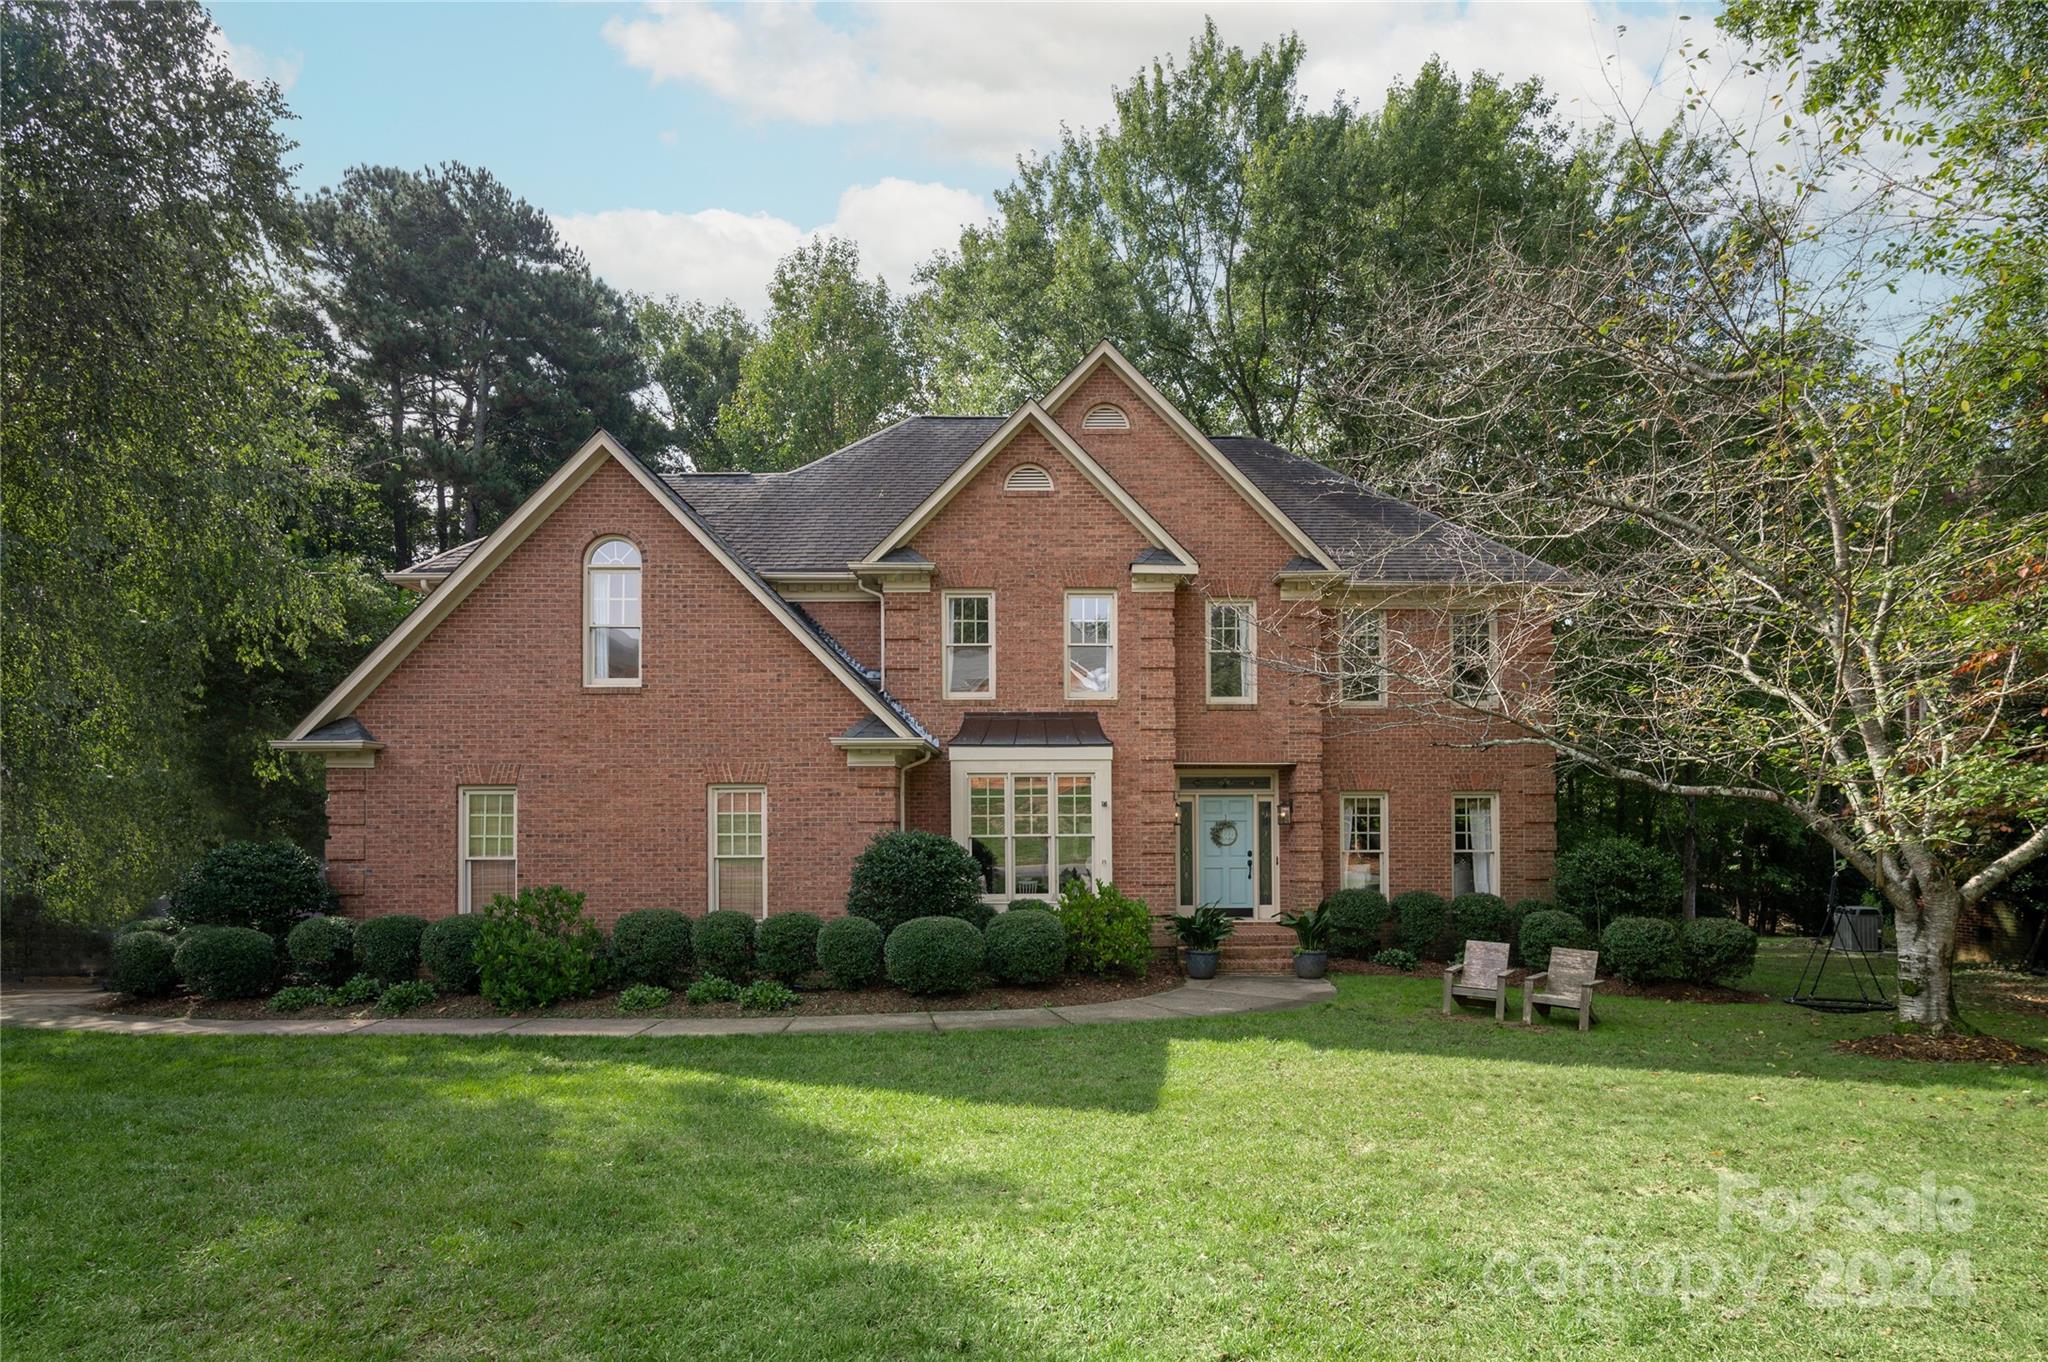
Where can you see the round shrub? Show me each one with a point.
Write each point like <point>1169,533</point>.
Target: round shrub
<point>1108,932</point>
<point>1524,907</point>
<point>1036,905</point>
<point>264,885</point>
<point>1640,949</point>
<point>141,966</point>
<point>323,949</point>
<point>1025,946</point>
<point>1611,877</point>
<point>388,948</point>
<point>227,962</point>
<point>652,946</point>
<point>724,942</point>
<point>786,946</point>
<point>162,926</point>
<point>1481,917</point>
<point>1544,929</point>
<point>1355,917</point>
<point>448,950</point>
<point>1717,950</point>
<point>537,948</point>
<point>1419,921</point>
<point>933,955</point>
<point>904,875</point>
<point>850,952</point>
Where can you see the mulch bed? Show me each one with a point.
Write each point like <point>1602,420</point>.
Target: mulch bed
<point>1943,1049</point>
<point>818,1002</point>
<point>1670,992</point>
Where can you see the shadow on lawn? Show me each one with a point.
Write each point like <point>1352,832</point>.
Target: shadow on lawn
<point>484,1199</point>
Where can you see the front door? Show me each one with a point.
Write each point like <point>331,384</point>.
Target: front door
<point>1225,846</point>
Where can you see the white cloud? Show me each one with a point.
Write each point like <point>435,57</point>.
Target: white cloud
<point>717,254</point>
<point>988,82</point>
<point>253,64</point>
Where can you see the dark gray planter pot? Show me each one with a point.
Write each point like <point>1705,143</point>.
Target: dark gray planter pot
<point>1311,964</point>
<point>1202,964</point>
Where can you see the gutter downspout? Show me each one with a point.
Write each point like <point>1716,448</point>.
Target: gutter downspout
<point>881,633</point>
<point>902,789</point>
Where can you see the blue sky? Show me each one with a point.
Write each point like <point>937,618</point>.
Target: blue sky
<point>686,148</point>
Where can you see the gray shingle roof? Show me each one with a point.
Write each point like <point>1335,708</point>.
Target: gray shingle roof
<point>341,730</point>
<point>442,563</point>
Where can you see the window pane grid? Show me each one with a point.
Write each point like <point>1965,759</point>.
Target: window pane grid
<point>1033,812</point>
<point>1361,677</point>
<point>970,645</point>
<point>1363,840</point>
<point>1229,649</point>
<point>1473,853</point>
<point>739,850</point>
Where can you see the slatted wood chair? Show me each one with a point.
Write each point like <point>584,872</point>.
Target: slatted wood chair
<point>1569,982</point>
<point>1483,977</point>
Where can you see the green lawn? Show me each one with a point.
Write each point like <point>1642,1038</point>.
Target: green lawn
<point>1332,1182</point>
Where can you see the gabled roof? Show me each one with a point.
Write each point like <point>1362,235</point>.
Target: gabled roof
<point>478,564</point>
<point>432,568</point>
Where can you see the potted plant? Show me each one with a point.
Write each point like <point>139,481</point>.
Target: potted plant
<point>1202,933</point>
<point>1312,942</point>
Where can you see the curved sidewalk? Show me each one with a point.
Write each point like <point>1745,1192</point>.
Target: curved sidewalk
<point>71,1009</point>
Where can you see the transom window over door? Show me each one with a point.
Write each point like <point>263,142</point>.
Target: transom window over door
<point>490,846</point>
<point>1232,676</point>
<point>1363,840</point>
<point>1091,645</point>
<point>970,645</point>
<point>1031,834</point>
<point>739,849</point>
<point>1475,845</point>
<point>611,650</point>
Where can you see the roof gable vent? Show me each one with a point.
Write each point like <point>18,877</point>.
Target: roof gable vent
<point>1028,477</point>
<point>1106,416</point>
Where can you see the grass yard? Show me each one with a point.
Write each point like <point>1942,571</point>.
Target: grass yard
<point>1363,1179</point>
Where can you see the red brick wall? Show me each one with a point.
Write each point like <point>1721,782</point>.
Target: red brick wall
<point>612,783</point>
<point>855,623</point>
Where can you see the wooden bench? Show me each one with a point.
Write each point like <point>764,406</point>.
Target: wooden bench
<point>1483,977</point>
<point>1569,982</point>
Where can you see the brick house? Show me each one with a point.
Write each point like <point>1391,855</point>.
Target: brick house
<point>1083,639</point>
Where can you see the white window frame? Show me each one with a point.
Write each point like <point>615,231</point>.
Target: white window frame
<point>1491,852</point>
<point>711,856</point>
<point>1251,666</point>
<point>1067,649</point>
<point>591,572</point>
<point>1344,803</point>
<point>1489,696</point>
<point>1053,762</point>
<point>462,857</point>
<point>947,645</point>
<point>1349,620</point>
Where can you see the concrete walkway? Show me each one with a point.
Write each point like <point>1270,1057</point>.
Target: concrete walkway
<point>77,1009</point>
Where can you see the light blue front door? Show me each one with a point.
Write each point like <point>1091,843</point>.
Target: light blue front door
<point>1225,845</point>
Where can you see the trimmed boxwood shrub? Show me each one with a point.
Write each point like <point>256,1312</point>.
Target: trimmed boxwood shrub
<point>1717,950</point>
<point>1107,932</point>
<point>1640,949</point>
<point>1419,921</point>
<point>1356,917</point>
<point>904,875</point>
<point>162,926</point>
<point>448,950</point>
<point>1611,877</point>
<point>786,945</point>
<point>536,949</point>
<point>323,949</point>
<point>1546,928</point>
<point>388,948</point>
<point>1524,907</point>
<point>933,955</point>
<point>141,965</point>
<point>227,962</point>
<point>724,941</point>
<point>1037,905</point>
<point>264,885</point>
<point>1025,946</point>
<point>1481,917</point>
<point>850,952</point>
<point>652,946</point>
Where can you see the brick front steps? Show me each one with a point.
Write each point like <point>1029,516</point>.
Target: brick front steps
<point>1258,948</point>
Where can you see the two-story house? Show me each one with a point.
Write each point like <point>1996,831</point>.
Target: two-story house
<point>1083,639</point>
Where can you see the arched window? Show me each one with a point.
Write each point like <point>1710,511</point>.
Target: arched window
<point>611,614</point>
<point>1107,416</point>
<point>1028,477</point>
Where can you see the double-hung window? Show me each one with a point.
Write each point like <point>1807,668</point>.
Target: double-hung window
<point>739,849</point>
<point>1031,834</point>
<point>1361,658</point>
<point>490,846</point>
<point>1091,645</point>
<point>1475,845</point>
<point>611,614</point>
<point>970,645</point>
<point>1233,679</point>
<point>1472,661</point>
<point>1363,840</point>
